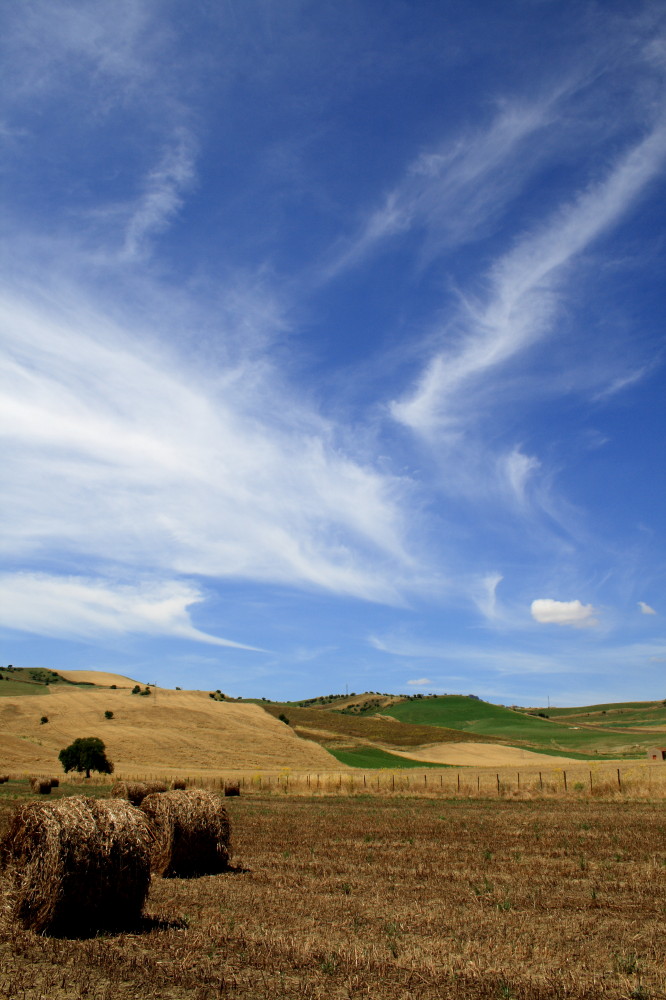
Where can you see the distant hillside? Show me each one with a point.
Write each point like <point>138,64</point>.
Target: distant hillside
<point>337,728</point>
<point>471,715</point>
<point>626,715</point>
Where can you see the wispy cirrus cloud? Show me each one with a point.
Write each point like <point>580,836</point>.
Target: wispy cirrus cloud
<point>162,195</point>
<point>452,192</point>
<point>82,607</point>
<point>147,462</point>
<point>525,286</point>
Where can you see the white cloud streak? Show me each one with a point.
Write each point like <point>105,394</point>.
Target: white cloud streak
<point>127,457</point>
<point>524,292</point>
<point>81,607</point>
<point>456,190</point>
<point>162,196</point>
<point>646,609</point>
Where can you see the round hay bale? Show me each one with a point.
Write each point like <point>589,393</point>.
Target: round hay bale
<point>156,786</point>
<point>178,785</point>
<point>232,788</point>
<point>55,782</point>
<point>192,833</point>
<point>134,791</point>
<point>3,778</point>
<point>41,786</point>
<point>77,865</point>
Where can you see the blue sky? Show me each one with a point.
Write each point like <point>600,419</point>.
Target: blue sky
<point>333,345</point>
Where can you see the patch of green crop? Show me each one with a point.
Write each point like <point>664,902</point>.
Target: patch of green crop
<point>13,689</point>
<point>373,757</point>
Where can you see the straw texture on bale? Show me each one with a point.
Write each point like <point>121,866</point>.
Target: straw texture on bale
<point>77,865</point>
<point>134,791</point>
<point>232,788</point>
<point>178,784</point>
<point>192,833</point>
<point>42,786</point>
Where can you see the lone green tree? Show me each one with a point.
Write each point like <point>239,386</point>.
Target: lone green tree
<point>87,754</point>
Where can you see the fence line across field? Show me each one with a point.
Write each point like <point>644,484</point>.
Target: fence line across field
<point>640,779</point>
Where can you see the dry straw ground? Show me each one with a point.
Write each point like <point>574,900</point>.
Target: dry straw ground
<point>392,897</point>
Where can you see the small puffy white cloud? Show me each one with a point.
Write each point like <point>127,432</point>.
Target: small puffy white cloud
<point>420,681</point>
<point>646,609</point>
<point>550,612</point>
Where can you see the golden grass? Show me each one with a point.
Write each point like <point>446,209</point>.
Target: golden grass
<point>576,780</point>
<point>393,899</point>
<point>187,729</point>
<point>97,677</point>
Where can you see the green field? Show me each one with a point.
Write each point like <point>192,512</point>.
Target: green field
<point>373,757</point>
<point>468,715</point>
<point>12,688</point>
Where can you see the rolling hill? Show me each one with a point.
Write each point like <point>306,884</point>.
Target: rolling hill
<point>192,733</point>
<point>166,733</point>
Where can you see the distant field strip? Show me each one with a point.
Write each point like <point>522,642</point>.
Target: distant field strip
<point>372,757</point>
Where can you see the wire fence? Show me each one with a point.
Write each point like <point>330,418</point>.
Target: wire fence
<point>639,780</point>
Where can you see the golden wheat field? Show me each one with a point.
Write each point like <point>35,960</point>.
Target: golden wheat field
<point>390,897</point>
<point>175,732</point>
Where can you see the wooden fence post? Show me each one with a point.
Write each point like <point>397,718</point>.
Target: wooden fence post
<point>565,780</point>
<point>458,780</point>
<point>498,784</point>
<point>590,781</point>
<point>540,781</point>
<point>619,780</point>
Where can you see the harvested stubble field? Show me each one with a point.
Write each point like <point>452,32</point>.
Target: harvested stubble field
<point>390,897</point>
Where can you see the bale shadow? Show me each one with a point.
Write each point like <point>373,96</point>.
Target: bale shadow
<point>146,924</point>
<point>188,876</point>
